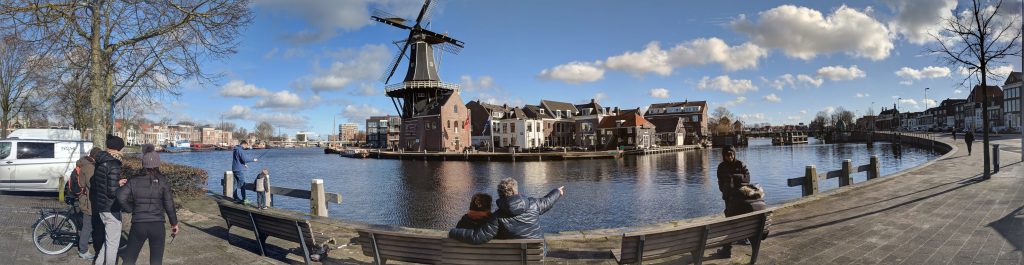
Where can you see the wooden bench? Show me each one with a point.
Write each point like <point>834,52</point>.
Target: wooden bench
<point>693,239</point>
<point>265,225</point>
<point>436,249</point>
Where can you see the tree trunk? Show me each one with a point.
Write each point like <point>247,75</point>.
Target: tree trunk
<point>97,82</point>
<point>984,119</point>
<point>4,121</point>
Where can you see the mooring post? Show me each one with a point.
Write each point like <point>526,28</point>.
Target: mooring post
<point>845,179</point>
<point>810,181</point>
<point>229,184</point>
<point>873,172</point>
<point>317,198</point>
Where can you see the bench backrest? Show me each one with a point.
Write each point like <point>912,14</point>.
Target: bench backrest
<point>521,251</point>
<point>689,239</point>
<point>406,247</point>
<point>235,217</point>
<point>284,228</point>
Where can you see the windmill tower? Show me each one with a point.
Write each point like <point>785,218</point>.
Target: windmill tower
<point>433,115</point>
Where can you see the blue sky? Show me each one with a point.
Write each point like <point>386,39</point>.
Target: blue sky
<point>301,64</point>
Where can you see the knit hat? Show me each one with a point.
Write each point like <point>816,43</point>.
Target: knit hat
<point>151,160</point>
<point>728,148</point>
<point>114,142</point>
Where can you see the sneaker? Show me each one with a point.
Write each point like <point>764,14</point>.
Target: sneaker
<point>722,254</point>
<point>87,255</point>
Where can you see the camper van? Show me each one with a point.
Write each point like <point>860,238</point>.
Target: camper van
<point>36,159</point>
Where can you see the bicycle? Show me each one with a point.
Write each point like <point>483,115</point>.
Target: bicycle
<point>56,231</point>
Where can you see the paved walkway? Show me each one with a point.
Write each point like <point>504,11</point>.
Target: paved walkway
<point>939,214</point>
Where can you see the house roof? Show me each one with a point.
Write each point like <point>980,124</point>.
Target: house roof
<point>556,105</point>
<point>533,112</point>
<point>680,104</point>
<point>1015,77</point>
<point>592,104</point>
<point>993,91</point>
<point>489,107</point>
<point>630,118</point>
<point>666,125</point>
<point>515,114</point>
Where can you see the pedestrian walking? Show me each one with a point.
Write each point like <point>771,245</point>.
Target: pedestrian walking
<point>954,134</point>
<point>103,196</point>
<point>148,197</point>
<point>239,164</point>
<point>969,139</point>
<point>732,175</point>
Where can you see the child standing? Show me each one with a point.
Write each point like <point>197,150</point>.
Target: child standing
<point>262,187</point>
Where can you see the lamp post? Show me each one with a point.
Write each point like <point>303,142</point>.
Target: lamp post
<point>926,103</point>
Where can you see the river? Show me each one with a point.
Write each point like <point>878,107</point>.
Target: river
<point>608,193</point>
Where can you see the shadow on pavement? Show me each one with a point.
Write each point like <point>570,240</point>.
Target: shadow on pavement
<point>1011,227</point>
<point>245,243</point>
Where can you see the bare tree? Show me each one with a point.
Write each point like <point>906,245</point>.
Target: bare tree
<point>133,47</point>
<point>975,39</point>
<point>264,131</point>
<point>24,71</point>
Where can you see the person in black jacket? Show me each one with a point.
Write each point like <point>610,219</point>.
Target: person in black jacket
<point>102,194</point>
<point>479,212</point>
<point>148,198</point>
<point>969,140</point>
<point>517,217</point>
<point>732,175</point>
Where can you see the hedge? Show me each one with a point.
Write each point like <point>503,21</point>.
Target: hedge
<point>186,182</point>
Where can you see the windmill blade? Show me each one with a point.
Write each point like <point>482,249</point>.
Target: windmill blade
<point>435,38</point>
<point>423,11</point>
<point>398,59</point>
<point>449,48</point>
<point>428,14</point>
<point>397,22</point>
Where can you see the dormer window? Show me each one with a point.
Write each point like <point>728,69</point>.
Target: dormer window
<point>542,111</point>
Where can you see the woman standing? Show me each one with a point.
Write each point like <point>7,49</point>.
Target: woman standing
<point>148,198</point>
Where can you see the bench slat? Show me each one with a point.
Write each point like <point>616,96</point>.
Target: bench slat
<point>488,262</point>
<point>446,257</point>
<point>685,240</point>
<point>492,251</point>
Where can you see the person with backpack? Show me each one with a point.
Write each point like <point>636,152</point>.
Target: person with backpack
<point>148,198</point>
<point>84,169</point>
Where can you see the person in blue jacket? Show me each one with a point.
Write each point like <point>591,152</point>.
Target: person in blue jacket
<point>238,167</point>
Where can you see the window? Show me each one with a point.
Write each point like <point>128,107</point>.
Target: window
<point>449,124</point>
<point>455,108</point>
<point>28,150</point>
<point>504,127</point>
<point>5,150</point>
<point>513,127</point>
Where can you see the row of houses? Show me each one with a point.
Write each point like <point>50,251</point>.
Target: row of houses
<point>160,134</point>
<point>554,124</point>
<point>1004,111</point>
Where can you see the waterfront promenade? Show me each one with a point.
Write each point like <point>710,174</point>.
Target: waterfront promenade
<point>938,213</point>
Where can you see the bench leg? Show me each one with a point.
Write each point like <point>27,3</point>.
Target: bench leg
<point>755,247</point>
<point>256,231</point>
<point>302,241</point>
<point>376,252</point>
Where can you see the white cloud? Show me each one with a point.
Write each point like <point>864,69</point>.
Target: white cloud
<point>351,65</point>
<point>281,99</point>
<point>270,54</point>
<point>789,80</point>
<point>236,112</point>
<point>238,88</point>
<point>481,83</point>
<point>365,90</point>
<point>910,74</point>
<point>772,98</point>
<point>653,59</point>
<point>574,72</point>
<point>958,91</point>
<point>734,102</point>
<point>805,33</point>
<point>803,111</point>
<point>359,113</point>
<point>838,72</point>
<point>659,92</point>
<point>908,102</point>
<point>916,19</point>
<point>794,118</point>
<point>755,117</point>
<point>326,19</point>
<point>725,84</point>
<point>1000,72</point>
<point>829,109</point>
<point>282,120</point>
<point>862,95</point>
<point>929,103</point>
<point>806,79</point>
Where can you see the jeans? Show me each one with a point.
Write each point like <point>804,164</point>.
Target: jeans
<point>154,232</point>
<point>239,192</point>
<point>112,232</point>
<point>261,200</point>
<point>85,234</point>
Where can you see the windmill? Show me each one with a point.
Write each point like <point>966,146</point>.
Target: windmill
<point>422,85</point>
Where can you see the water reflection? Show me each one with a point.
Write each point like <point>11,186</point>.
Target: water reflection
<point>599,193</point>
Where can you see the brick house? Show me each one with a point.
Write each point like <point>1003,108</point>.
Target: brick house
<point>562,127</point>
<point>628,130</point>
<point>669,132</point>
<point>441,126</point>
<point>480,113</point>
<point>586,122</point>
<point>693,113</point>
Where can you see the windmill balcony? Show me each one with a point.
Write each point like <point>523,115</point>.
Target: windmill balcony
<point>413,85</point>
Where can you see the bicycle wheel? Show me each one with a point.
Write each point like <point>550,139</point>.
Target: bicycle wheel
<point>54,234</point>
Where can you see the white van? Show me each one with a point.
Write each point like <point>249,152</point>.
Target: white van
<point>36,159</point>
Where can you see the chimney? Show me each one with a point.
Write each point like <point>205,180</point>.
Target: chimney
<point>592,101</point>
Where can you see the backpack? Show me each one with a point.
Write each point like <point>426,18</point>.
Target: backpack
<point>73,187</point>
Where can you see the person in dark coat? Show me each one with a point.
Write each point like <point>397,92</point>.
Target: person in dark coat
<point>517,217</point>
<point>86,166</point>
<point>148,198</point>
<point>479,212</point>
<point>103,196</point>
<point>969,139</point>
<point>953,130</point>
<point>732,175</point>
<point>239,164</point>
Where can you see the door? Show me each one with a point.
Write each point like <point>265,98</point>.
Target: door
<point>35,166</point>
<point>6,165</point>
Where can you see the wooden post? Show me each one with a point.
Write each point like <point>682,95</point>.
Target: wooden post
<point>873,172</point>
<point>229,184</point>
<point>810,186</point>
<point>317,200</point>
<point>846,179</point>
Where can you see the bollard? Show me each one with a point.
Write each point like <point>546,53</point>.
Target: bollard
<point>229,184</point>
<point>845,179</point>
<point>317,198</point>
<point>810,186</point>
<point>995,158</point>
<point>873,169</point>
<point>60,189</point>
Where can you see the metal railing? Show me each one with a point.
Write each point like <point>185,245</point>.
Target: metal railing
<point>421,84</point>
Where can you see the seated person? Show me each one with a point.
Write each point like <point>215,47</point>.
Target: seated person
<point>479,212</point>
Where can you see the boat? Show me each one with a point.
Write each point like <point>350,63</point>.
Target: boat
<point>355,153</point>
<point>789,139</point>
<point>329,150</point>
<point>178,146</point>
